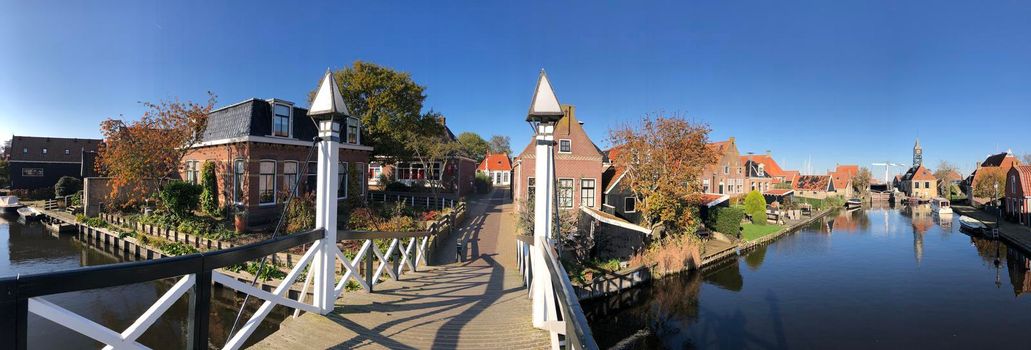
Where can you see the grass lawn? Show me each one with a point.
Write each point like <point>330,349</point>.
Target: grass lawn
<point>751,232</point>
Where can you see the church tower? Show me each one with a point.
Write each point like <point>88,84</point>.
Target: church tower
<point>918,154</point>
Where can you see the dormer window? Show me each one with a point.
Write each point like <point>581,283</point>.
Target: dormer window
<point>25,150</point>
<point>67,151</point>
<point>762,170</point>
<point>281,120</point>
<point>44,151</point>
<point>565,146</point>
<point>352,131</point>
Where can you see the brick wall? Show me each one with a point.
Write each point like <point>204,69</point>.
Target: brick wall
<point>96,194</point>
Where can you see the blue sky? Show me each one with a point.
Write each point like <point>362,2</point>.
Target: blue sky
<point>841,81</point>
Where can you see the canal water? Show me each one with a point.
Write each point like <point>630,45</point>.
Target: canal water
<point>29,248</point>
<point>873,278</point>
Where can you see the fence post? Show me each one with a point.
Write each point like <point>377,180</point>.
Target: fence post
<point>200,310</point>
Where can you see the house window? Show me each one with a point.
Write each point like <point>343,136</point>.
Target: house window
<point>753,186</point>
<point>281,121</point>
<point>290,177</point>
<point>25,150</point>
<point>705,186</point>
<point>506,179</point>
<point>44,151</point>
<point>565,146</point>
<point>67,151</point>
<point>311,183</point>
<point>531,187</point>
<point>629,205</point>
<point>417,171</point>
<point>726,170</point>
<point>565,193</point>
<point>267,182</point>
<point>375,171</point>
<point>587,193</point>
<point>352,130</point>
<point>342,178</point>
<point>32,172</point>
<point>721,187</point>
<point>762,170</point>
<point>238,174</point>
<point>191,171</point>
<point>927,184</point>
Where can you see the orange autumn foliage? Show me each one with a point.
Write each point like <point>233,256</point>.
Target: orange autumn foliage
<point>149,148</point>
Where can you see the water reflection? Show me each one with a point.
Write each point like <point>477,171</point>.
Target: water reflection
<point>818,289</point>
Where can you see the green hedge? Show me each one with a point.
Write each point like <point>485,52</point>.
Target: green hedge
<point>209,194</point>
<point>180,198</point>
<point>725,220</point>
<point>67,186</point>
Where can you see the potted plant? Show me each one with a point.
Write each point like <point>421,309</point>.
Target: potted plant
<point>240,219</point>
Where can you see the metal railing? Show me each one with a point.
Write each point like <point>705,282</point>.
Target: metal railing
<point>574,332</point>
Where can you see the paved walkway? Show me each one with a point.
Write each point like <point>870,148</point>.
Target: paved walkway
<point>476,304</point>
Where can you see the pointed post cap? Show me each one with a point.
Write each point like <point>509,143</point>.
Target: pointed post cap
<point>328,103</point>
<point>544,106</point>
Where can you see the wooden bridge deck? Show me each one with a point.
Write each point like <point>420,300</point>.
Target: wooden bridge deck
<point>476,304</point>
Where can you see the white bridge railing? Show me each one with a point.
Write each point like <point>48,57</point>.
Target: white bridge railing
<point>565,319</point>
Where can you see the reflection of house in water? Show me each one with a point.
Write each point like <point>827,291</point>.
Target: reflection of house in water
<point>922,221</point>
<point>1019,266</point>
<point>850,221</point>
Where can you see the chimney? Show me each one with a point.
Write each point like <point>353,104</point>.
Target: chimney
<point>978,166</point>
<point>731,139</point>
<point>442,120</point>
<point>768,153</point>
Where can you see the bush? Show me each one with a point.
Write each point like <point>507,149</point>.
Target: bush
<point>397,187</point>
<point>363,219</point>
<point>176,248</point>
<point>77,198</point>
<point>400,224</point>
<point>209,194</point>
<point>725,220</point>
<point>300,214</point>
<point>180,198</point>
<point>67,186</point>
<point>355,192</point>
<point>482,183</point>
<point>755,206</point>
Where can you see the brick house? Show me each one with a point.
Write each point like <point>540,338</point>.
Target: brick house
<point>498,167</point>
<point>842,177</point>
<point>38,162</point>
<point>814,186</point>
<point>578,166</point>
<point>727,174</point>
<point>1001,162</point>
<point>1018,194</point>
<point>757,174</point>
<point>260,149</point>
<point>455,175</point>
<point>764,166</point>
<point>919,183</point>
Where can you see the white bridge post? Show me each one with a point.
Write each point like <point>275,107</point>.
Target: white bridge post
<point>543,224</point>
<point>326,214</point>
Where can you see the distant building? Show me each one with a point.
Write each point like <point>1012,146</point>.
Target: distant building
<point>498,167</point>
<point>1018,194</point>
<point>579,164</point>
<point>618,199</point>
<point>919,183</point>
<point>1001,162</point>
<point>38,162</point>
<point>727,175</point>
<point>842,177</point>
<point>453,175</point>
<point>813,186</point>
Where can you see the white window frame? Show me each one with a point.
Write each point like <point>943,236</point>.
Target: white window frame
<point>531,183</point>
<point>572,193</point>
<point>291,182</point>
<point>67,151</point>
<point>568,141</point>
<point>289,119</point>
<point>632,198</point>
<point>239,178</point>
<point>25,172</point>
<point>44,150</point>
<point>261,181</point>
<point>594,193</point>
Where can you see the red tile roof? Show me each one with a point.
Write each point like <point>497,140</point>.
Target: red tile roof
<point>918,173</point>
<point>496,162</point>
<point>770,166</point>
<point>711,199</point>
<point>1024,175</point>
<point>813,183</point>
<point>612,176</point>
<point>721,146</point>
<point>850,170</point>
<point>778,191</point>
<point>791,175</point>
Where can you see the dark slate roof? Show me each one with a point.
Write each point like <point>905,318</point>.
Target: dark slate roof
<point>30,148</point>
<point>253,118</point>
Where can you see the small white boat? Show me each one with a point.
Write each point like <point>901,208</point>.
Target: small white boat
<point>854,203</point>
<point>29,214</point>
<point>10,203</point>
<point>941,206</point>
<point>971,224</point>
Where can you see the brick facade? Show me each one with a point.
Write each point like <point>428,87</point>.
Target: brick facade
<point>727,175</point>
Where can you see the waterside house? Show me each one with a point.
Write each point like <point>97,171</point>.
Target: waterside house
<point>38,162</point>
<point>1018,194</point>
<point>814,186</point>
<point>919,183</point>
<point>727,174</point>
<point>1000,163</point>
<point>259,148</point>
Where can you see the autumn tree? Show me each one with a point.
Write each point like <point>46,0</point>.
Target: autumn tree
<point>861,181</point>
<point>942,174</point>
<point>151,147</point>
<point>431,146</point>
<point>990,183</point>
<point>388,102</point>
<point>473,146</point>
<point>500,144</point>
<point>665,157</point>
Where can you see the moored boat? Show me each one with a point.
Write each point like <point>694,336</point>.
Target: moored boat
<point>854,203</point>
<point>10,203</point>
<point>29,214</point>
<point>941,206</point>
<point>972,225</point>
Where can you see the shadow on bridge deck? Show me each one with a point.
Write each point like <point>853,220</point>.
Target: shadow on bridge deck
<point>477,304</point>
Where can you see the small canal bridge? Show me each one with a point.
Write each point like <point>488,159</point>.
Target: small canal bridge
<point>480,303</point>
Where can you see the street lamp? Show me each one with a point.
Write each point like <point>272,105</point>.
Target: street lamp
<point>327,110</point>
<point>998,211</point>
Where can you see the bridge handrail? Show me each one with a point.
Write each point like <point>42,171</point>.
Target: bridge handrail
<point>577,330</point>
<point>16,291</point>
